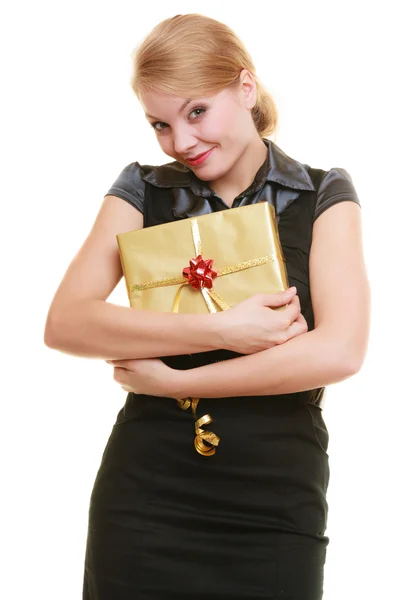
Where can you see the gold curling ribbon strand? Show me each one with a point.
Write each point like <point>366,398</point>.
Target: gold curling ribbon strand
<point>207,299</point>
<point>202,435</point>
<point>202,448</point>
<point>209,296</point>
<point>175,306</point>
<point>184,403</point>
<point>218,300</point>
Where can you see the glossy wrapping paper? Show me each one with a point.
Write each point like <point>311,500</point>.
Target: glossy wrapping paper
<point>242,243</point>
<point>204,264</point>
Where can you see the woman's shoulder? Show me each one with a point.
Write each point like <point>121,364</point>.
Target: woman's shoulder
<point>334,185</point>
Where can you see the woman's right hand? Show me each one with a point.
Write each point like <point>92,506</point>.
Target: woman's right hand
<point>252,325</point>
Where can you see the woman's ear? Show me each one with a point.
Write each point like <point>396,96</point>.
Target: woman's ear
<point>248,88</point>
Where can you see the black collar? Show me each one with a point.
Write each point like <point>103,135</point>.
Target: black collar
<point>278,167</point>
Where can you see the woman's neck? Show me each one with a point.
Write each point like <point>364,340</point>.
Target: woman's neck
<point>242,174</point>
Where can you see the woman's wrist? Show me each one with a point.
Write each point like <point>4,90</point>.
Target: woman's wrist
<point>219,328</point>
<point>177,382</point>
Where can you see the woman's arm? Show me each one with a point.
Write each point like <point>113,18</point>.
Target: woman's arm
<point>333,351</point>
<point>81,322</point>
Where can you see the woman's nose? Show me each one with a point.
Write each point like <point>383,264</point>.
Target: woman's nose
<point>184,142</point>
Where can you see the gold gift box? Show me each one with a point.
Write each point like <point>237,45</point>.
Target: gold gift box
<point>242,243</point>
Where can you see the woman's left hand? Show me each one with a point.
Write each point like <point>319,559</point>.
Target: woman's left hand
<point>148,376</point>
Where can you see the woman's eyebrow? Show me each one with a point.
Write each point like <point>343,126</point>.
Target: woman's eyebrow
<point>180,110</point>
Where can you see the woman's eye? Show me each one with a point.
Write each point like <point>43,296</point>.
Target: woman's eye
<point>195,110</point>
<point>157,123</point>
<point>201,109</point>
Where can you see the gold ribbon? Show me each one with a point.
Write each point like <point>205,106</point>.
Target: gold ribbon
<point>201,434</point>
<point>213,301</point>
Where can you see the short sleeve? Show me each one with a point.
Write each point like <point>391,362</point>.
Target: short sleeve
<point>336,186</point>
<point>130,186</point>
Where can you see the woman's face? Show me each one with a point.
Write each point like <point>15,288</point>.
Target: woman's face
<point>221,123</point>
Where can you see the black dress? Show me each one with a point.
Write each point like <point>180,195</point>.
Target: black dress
<point>166,522</point>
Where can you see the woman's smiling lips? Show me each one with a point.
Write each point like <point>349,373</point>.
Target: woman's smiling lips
<point>200,158</point>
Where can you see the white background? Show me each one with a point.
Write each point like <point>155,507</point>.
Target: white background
<point>69,124</point>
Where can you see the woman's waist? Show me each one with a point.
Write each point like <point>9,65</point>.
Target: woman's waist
<point>198,359</point>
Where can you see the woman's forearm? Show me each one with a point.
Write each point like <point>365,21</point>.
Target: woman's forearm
<point>99,329</point>
<point>311,360</point>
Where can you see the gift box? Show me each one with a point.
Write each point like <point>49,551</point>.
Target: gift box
<point>204,264</point>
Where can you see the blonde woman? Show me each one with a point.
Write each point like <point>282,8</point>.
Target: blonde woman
<point>166,520</point>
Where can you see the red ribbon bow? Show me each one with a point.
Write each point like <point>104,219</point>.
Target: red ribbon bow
<point>200,272</point>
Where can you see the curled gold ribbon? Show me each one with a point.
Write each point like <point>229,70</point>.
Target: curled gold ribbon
<point>214,302</point>
<point>201,434</point>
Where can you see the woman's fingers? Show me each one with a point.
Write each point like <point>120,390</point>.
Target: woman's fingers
<point>298,327</point>
<point>292,310</point>
<point>127,363</point>
<point>278,299</point>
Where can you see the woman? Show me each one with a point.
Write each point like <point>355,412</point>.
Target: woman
<point>248,522</point>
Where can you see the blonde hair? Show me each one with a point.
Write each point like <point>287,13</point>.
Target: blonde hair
<point>193,55</point>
